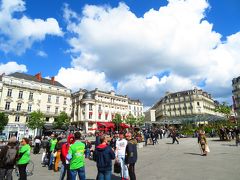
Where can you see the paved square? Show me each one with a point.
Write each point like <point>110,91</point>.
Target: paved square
<point>167,161</point>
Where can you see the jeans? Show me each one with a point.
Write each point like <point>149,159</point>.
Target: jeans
<point>81,173</point>
<point>87,153</point>
<point>104,175</point>
<point>65,168</point>
<point>22,171</point>
<point>6,174</point>
<point>51,160</point>
<point>124,169</point>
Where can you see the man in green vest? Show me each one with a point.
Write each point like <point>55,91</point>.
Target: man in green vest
<point>76,158</point>
<point>24,158</point>
<point>53,143</point>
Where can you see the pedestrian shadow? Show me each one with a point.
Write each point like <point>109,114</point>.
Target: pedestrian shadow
<point>218,140</point>
<point>169,143</point>
<point>197,154</point>
<point>114,177</point>
<point>228,145</point>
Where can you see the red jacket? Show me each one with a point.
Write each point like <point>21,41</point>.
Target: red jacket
<point>65,148</point>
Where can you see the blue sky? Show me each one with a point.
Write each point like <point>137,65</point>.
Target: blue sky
<point>74,46</point>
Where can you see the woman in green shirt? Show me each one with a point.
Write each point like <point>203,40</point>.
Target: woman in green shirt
<point>23,158</point>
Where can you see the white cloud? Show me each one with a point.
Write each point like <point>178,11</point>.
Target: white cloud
<point>18,34</point>
<point>42,53</point>
<point>75,78</point>
<point>176,38</point>
<point>12,67</point>
<point>152,89</point>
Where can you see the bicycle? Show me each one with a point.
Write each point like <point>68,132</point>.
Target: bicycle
<point>29,169</point>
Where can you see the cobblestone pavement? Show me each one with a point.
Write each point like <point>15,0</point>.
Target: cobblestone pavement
<point>167,161</point>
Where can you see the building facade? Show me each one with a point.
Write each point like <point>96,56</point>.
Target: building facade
<point>135,107</point>
<point>190,103</point>
<point>236,96</point>
<point>92,107</point>
<point>21,94</point>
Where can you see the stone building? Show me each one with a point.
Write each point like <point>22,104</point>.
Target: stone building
<point>93,107</point>
<point>236,96</point>
<point>195,105</point>
<point>21,94</point>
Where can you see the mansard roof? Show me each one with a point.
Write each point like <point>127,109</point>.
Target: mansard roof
<point>34,78</point>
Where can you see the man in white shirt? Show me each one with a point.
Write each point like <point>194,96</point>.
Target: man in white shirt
<point>121,145</point>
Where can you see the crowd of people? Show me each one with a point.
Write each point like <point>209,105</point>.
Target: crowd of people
<point>70,152</point>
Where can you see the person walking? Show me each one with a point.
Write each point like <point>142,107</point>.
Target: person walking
<point>103,156</point>
<point>121,145</point>
<point>23,158</point>
<point>53,143</point>
<point>45,145</point>
<point>131,155</point>
<point>76,158</point>
<point>57,152</point>
<point>65,168</point>
<point>203,143</point>
<point>8,156</point>
<point>37,145</point>
<point>174,136</point>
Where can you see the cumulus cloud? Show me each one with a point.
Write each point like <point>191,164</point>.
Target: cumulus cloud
<point>12,67</point>
<point>42,54</point>
<point>75,78</point>
<point>176,38</point>
<point>18,34</point>
<point>151,89</point>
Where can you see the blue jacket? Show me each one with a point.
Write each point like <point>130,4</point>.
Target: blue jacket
<point>104,155</point>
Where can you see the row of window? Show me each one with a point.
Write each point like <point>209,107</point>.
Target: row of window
<point>17,118</point>
<point>57,100</point>
<point>19,106</point>
<point>90,116</point>
<point>30,97</point>
<point>136,108</point>
<point>100,107</point>
<point>20,94</point>
<point>29,109</point>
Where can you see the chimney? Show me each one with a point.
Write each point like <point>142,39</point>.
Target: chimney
<point>38,76</point>
<point>53,80</point>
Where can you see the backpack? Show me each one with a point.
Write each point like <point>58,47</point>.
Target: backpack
<point>10,157</point>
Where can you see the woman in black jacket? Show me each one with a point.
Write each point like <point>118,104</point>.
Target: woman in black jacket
<point>131,155</point>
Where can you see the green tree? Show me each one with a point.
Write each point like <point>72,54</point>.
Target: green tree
<point>3,121</point>
<point>224,109</point>
<point>140,121</point>
<point>62,120</point>
<point>36,120</point>
<point>117,120</point>
<point>131,120</point>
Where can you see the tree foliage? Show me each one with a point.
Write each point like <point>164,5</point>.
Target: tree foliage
<point>140,121</point>
<point>36,120</point>
<point>117,120</point>
<point>3,121</point>
<point>224,109</point>
<point>131,120</point>
<point>62,120</point>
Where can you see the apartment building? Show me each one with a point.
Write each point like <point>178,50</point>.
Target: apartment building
<point>236,96</point>
<point>189,103</point>
<point>135,107</point>
<point>21,94</point>
<point>93,107</point>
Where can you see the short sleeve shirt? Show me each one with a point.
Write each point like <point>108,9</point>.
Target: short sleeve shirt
<point>121,147</point>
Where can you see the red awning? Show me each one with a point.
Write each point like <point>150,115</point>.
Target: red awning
<point>123,125</point>
<point>106,124</point>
